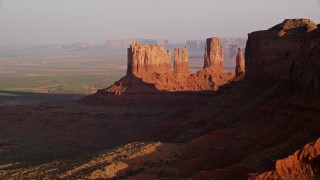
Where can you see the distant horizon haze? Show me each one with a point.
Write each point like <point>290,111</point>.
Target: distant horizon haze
<point>40,22</point>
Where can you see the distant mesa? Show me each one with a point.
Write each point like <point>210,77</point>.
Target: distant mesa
<point>122,44</point>
<point>288,51</point>
<point>196,44</point>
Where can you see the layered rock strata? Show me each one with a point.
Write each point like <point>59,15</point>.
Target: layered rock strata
<point>213,57</point>
<point>148,59</point>
<point>181,62</point>
<point>288,51</point>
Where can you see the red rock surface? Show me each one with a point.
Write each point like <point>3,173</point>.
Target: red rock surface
<point>149,72</point>
<point>204,80</point>
<point>240,63</point>
<point>181,62</point>
<point>213,57</point>
<point>304,164</point>
<point>288,51</point>
<point>148,59</point>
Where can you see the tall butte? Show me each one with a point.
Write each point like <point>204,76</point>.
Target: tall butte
<point>213,57</point>
<point>148,59</point>
<point>181,62</point>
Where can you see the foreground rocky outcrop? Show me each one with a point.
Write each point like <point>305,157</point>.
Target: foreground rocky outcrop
<point>304,164</point>
<point>288,51</point>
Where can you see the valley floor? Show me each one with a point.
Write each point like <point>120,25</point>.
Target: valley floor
<point>235,133</point>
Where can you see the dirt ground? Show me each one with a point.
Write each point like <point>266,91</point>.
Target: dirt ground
<point>236,133</point>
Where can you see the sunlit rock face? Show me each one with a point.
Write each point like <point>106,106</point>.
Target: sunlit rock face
<point>181,62</point>
<point>213,57</point>
<point>148,59</point>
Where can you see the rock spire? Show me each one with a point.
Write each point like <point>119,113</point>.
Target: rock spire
<point>181,62</point>
<point>239,63</point>
<point>213,57</point>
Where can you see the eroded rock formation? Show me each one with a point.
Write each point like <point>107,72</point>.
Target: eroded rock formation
<point>213,57</point>
<point>240,63</point>
<point>148,59</point>
<point>304,164</point>
<point>149,71</point>
<point>181,62</point>
<point>288,51</point>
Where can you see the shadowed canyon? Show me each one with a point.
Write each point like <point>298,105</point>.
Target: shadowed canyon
<point>258,121</point>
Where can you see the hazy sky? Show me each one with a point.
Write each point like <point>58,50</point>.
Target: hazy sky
<point>95,21</point>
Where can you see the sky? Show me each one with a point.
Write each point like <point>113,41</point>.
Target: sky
<point>95,21</point>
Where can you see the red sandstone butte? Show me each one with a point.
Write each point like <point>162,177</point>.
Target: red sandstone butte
<point>148,59</point>
<point>213,57</point>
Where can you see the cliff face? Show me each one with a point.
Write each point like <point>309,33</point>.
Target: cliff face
<point>181,62</point>
<point>287,51</point>
<point>148,59</point>
<point>213,57</point>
